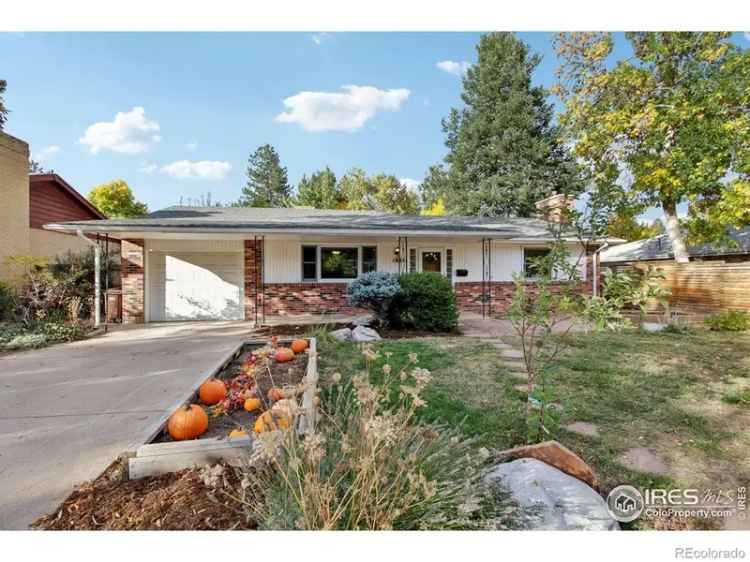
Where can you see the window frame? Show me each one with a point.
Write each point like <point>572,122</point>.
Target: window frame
<point>319,262</point>
<point>523,262</point>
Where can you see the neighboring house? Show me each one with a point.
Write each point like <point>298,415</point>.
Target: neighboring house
<point>717,278</point>
<point>27,202</point>
<point>245,263</point>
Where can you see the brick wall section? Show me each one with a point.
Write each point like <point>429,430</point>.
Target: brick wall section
<point>469,295</point>
<point>253,271</point>
<point>133,285</point>
<point>308,298</point>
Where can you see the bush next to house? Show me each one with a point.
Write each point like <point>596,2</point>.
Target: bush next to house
<point>374,291</point>
<point>426,302</point>
<point>729,321</point>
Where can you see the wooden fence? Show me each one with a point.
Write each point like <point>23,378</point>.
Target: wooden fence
<point>703,287</point>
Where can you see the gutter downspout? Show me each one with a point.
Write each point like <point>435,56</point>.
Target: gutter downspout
<point>97,276</point>
<point>595,284</point>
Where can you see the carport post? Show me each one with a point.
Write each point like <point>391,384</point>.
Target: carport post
<point>97,277</point>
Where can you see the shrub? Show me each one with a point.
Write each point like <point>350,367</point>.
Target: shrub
<point>60,332</point>
<point>8,302</point>
<point>426,302</point>
<point>27,341</point>
<point>374,291</point>
<point>729,321</point>
<point>370,465</point>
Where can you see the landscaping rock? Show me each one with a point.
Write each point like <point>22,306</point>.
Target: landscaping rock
<point>583,428</point>
<point>552,500</point>
<point>512,354</point>
<point>653,326</point>
<point>362,321</point>
<point>344,334</point>
<point>643,460</point>
<point>363,333</point>
<point>554,454</point>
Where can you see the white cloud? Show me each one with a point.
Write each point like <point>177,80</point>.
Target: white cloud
<point>335,111</point>
<point>453,67</point>
<point>205,169</point>
<point>411,184</point>
<point>148,168</point>
<point>319,38</point>
<point>192,145</point>
<point>45,153</point>
<point>127,133</point>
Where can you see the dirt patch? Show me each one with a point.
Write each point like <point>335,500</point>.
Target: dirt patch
<point>174,501</point>
<point>271,375</point>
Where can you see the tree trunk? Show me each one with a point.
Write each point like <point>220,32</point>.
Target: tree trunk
<point>672,226</point>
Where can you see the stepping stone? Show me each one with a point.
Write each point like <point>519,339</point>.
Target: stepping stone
<point>512,354</point>
<point>583,428</point>
<point>522,387</point>
<point>519,375</point>
<point>643,460</point>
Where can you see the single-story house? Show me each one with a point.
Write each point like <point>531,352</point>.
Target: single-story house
<point>31,201</point>
<point>185,263</point>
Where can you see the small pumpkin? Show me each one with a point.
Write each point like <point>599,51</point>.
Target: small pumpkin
<point>212,392</point>
<point>252,404</point>
<point>268,421</point>
<point>275,394</point>
<point>284,354</point>
<point>188,422</point>
<point>298,346</point>
<point>237,433</point>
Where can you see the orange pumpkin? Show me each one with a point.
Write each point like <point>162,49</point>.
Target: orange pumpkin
<point>212,392</point>
<point>275,394</point>
<point>284,354</point>
<point>237,433</point>
<point>268,421</point>
<point>188,422</point>
<point>298,346</point>
<point>252,404</point>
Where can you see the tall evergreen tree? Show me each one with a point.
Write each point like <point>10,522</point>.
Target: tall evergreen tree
<point>267,184</point>
<point>320,191</point>
<point>504,154</point>
<point>3,109</point>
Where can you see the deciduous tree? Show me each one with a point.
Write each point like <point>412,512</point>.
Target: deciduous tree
<point>320,190</point>
<point>116,200</point>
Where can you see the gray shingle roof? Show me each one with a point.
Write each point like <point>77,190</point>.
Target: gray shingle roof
<point>303,219</point>
<point>660,248</point>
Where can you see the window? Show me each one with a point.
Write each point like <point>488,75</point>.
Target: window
<point>369,259</point>
<point>531,265</point>
<point>337,263</point>
<point>309,263</point>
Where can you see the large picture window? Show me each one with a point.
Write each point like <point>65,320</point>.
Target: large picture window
<point>531,265</point>
<point>337,263</point>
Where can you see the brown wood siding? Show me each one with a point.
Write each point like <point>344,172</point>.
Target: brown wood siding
<point>48,202</point>
<point>704,287</point>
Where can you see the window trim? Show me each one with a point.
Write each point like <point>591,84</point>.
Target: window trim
<point>319,261</point>
<point>523,262</point>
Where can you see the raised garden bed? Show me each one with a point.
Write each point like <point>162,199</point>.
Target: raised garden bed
<point>297,378</point>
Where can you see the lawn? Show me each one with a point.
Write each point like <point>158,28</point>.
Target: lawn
<point>683,396</point>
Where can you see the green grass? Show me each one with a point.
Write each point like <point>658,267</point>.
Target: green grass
<point>683,395</point>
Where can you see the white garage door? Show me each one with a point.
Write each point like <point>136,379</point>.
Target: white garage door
<point>195,286</point>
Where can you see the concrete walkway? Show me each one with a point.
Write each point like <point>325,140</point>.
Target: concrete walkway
<point>67,411</point>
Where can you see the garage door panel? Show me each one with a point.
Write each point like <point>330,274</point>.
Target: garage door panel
<point>205,286</point>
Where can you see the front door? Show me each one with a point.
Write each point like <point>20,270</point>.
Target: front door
<point>432,260</point>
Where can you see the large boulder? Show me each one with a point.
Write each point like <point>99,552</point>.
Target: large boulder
<point>554,454</point>
<point>550,499</point>
<point>344,334</point>
<point>363,333</point>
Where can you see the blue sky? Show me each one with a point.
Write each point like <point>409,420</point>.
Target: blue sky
<point>192,106</point>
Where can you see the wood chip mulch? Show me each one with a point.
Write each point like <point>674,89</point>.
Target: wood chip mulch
<point>175,501</point>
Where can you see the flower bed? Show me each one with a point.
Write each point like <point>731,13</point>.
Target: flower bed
<point>255,390</point>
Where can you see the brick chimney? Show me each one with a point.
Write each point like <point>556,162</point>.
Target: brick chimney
<point>552,208</point>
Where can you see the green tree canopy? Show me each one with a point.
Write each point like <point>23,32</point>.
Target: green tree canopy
<point>669,125</point>
<point>503,150</point>
<point>625,225</point>
<point>267,184</point>
<point>320,190</point>
<point>115,199</point>
<point>3,109</point>
<point>381,192</point>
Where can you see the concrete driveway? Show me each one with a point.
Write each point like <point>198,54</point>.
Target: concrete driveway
<point>67,411</point>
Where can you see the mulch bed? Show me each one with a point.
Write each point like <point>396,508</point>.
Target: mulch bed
<point>174,501</point>
<point>278,375</point>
